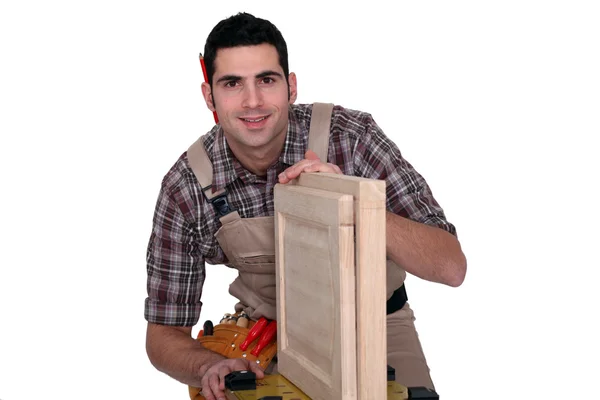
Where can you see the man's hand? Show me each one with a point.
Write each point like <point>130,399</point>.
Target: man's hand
<point>213,375</point>
<point>311,163</point>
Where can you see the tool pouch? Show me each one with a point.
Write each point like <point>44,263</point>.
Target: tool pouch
<point>226,340</point>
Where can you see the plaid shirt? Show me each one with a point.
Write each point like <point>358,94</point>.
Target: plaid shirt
<point>184,224</point>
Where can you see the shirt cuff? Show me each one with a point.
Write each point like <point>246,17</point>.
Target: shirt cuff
<point>177,314</point>
<point>441,223</point>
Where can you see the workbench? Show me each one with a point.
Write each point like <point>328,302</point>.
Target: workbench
<point>243,385</point>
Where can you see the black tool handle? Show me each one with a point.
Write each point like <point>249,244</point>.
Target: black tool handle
<point>422,393</point>
<point>240,380</point>
<point>208,328</point>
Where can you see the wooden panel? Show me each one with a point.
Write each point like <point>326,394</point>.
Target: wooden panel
<point>316,293</point>
<point>369,203</point>
<point>370,268</point>
<point>370,273</point>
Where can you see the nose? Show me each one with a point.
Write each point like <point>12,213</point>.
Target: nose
<point>252,97</point>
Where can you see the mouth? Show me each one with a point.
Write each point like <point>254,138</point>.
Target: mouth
<point>254,122</point>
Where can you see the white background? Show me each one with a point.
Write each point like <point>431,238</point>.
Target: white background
<point>495,103</point>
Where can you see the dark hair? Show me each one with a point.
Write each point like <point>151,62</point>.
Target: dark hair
<point>243,29</point>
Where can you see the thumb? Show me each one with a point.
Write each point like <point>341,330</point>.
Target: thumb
<point>311,155</point>
<point>254,367</point>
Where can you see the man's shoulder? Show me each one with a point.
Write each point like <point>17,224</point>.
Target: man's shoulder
<point>304,111</point>
<point>177,174</point>
<point>181,171</point>
<point>343,118</point>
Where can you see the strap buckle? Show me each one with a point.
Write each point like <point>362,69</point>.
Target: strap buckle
<point>219,202</point>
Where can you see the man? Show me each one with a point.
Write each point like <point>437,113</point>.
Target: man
<point>261,140</point>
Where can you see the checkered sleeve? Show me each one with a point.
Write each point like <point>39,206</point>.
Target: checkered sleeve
<point>377,157</point>
<point>174,263</point>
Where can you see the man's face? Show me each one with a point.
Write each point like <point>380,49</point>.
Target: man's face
<point>250,95</point>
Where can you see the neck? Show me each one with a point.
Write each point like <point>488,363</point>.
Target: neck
<point>258,159</point>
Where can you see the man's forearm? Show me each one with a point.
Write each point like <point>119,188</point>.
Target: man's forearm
<point>173,351</point>
<point>425,251</point>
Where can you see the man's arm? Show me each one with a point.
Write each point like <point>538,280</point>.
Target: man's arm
<point>172,350</point>
<point>175,265</point>
<point>425,251</point>
<point>418,237</point>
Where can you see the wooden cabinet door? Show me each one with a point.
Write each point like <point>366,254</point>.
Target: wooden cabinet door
<point>330,253</point>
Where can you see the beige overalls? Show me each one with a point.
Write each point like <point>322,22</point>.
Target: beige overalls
<point>249,245</point>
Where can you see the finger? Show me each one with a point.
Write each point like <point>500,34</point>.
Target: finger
<point>223,371</point>
<point>283,177</point>
<point>204,388</point>
<point>295,170</point>
<point>286,175</point>
<point>206,391</point>
<point>337,169</point>
<point>311,155</point>
<point>320,167</point>
<point>213,384</point>
<point>301,165</point>
<point>252,366</point>
<point>258,371</point>
<point>311,165</point>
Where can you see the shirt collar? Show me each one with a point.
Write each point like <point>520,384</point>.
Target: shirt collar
<point>296,141</point>
<point>223,167</point>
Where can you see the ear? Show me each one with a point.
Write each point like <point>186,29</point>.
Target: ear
<point>208,98</point>
<point>293,88</point>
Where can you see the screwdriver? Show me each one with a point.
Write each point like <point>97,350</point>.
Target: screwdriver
<point>225,318</point>
<point>254,332</point>
<point>242,320</point>
<point>266,338</point>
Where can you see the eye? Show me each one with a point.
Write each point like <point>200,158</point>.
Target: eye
<point>231,84</point>
<point>268,80</point>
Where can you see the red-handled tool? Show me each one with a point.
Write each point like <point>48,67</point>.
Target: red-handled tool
<point>203,66</point>
<point>254,332</point>
<point>266,338</point>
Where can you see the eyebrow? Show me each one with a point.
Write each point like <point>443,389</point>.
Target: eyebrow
<point>257,76</point>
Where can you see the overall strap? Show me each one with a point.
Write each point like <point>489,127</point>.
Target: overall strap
<point>318,134</point>
<point>202,167</point>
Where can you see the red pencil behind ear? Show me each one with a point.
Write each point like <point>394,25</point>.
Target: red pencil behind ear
<point>203,66</point>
